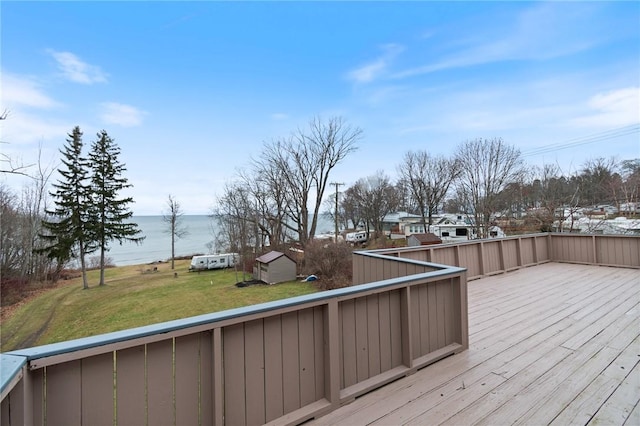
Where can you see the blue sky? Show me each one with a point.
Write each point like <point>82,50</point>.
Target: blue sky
<point>190,90</point>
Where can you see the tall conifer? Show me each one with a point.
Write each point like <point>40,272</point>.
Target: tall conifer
<point>68,233</point>
<point>110,213</point>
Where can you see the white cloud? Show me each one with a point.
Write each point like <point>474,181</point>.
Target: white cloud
<point>373,70</point>
<point>615,108</point>
<point>121,114</point>
<point>541,32</point>
<point>279,116</point>
<point>23,91</point>
<point>22,129</point>
<point>76,70</point>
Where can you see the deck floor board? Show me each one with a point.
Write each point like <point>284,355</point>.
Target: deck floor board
<point>554,343</point>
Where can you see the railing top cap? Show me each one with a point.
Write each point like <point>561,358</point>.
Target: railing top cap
<point>171,326</point>
<point>10,366</point>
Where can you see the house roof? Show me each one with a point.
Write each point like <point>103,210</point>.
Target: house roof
<point>397,216</point>
<point>270,257</point>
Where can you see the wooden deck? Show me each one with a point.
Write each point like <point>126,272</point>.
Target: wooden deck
<point>551,344</point>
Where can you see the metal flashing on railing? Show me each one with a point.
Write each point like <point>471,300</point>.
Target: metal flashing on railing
<point>11,367</point>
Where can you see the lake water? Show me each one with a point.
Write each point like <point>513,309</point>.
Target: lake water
<point>157,243</point>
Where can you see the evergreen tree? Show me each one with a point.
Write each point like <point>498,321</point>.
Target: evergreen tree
<point>110,214</point>
<point>69,227</point>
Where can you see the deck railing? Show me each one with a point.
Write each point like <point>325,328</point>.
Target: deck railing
<point>494,256</point>
<point>286,361</point>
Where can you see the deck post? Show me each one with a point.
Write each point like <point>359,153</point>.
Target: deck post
<point>464,309</point>
<point>407,344</point>
<point>481,267</point>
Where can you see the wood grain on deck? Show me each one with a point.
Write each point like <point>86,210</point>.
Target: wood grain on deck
<point>550,344</point>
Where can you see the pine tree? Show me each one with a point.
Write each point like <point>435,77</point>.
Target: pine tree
<point>109,212</point>
<point>69,228</point>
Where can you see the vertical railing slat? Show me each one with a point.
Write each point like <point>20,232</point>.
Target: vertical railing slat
<point>235,403</point>
<point>254,371</point>
<point>63,395</point>
<point>131,400</point>
<point>291,361</point>
<point>306,343</point>
<point>187,379</point>
<point>319,365</point>
<point>160,383</point>
<point>97,387</point>
<point>274,402</point>
<point>373,335</point>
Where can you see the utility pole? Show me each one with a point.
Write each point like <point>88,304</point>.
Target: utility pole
<point>337,184</point>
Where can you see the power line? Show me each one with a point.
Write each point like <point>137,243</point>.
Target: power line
<point>584,140</point>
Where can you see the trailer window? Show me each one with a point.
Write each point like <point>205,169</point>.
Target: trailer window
<point>461,232</point>
<point>221,260</point>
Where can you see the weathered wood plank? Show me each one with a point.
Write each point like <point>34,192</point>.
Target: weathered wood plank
<point>582,408</point>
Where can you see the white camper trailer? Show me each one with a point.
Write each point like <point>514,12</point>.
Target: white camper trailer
<point>213,261</point>
<point>357,237</point>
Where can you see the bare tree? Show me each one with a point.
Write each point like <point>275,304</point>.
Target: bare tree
<point>20,225</point>
<point>376,197</point>
<point>174,225</point>
<point>304,161</point>
<point>236,216</point>
<point>630,171</point>
<point>487,166</point>
<point>267,188</point>
<point>11,165</point>
<point>352,209</point>
<point>598,181</point>
<point>428,179</point>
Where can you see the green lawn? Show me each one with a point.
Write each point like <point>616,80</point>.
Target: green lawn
<point>134,296</point>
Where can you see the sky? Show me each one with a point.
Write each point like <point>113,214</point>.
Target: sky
<point>191,91</point>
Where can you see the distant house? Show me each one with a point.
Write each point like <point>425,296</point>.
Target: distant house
<point>423,239</point>
<point>274,267</point>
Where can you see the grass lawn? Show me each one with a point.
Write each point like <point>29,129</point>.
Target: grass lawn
<point>133,296</point>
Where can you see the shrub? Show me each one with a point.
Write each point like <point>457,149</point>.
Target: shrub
<point>93,262</point>
<point>330,262</point>
<point>13,289</point>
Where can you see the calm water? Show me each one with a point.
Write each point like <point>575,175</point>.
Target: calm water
<point>157,244</point>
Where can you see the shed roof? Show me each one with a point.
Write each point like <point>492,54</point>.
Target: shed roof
<point>427,238</point>
<point>270,257</point>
